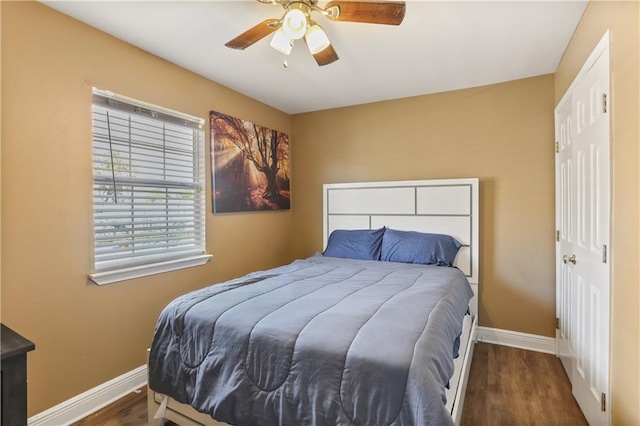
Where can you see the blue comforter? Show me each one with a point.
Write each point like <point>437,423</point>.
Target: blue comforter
<point>321,341</point>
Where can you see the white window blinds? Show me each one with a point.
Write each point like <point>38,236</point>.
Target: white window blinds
<point>148,184</point>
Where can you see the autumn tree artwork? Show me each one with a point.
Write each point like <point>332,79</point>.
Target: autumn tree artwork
<point>250,166</point>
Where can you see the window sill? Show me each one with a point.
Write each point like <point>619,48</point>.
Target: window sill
<point>102,278</point>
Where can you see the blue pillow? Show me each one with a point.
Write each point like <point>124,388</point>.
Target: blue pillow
<point>363,244</point>
<point>417,247</point>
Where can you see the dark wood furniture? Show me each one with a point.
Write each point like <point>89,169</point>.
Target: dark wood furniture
<point>13,367</point>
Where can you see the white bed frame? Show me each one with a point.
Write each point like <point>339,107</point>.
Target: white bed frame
<point>449,206</point>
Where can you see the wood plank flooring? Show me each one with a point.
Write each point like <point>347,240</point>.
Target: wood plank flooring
<point>507,386</point>
<point>128,411</point>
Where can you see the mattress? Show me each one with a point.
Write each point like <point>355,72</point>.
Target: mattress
<point>321,341</point>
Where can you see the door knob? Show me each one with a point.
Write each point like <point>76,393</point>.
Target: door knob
<point>569,259</point>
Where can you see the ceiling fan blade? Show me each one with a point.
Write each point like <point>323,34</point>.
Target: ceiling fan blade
<point>253,34</point>
<point>326,56</point>
<point>389,13</point>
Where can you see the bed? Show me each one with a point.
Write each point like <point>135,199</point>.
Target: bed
<point>332,340</point>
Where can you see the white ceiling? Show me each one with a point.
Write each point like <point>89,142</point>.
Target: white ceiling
<point>440,46</point>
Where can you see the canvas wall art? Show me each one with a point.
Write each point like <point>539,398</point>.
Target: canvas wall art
<point>250,166</point>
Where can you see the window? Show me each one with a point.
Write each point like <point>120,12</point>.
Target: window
<point>148,189</point>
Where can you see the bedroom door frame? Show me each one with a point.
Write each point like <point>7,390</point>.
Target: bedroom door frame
<point>583,223</point>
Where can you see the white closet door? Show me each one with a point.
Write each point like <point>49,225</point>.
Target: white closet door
<point>583,211</point>
<point>565,306</point>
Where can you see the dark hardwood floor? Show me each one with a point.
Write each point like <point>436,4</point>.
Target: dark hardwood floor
<point>507,386</point>
<point>128,411</point>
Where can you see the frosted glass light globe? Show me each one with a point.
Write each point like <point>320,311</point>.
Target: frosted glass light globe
<point>295,24</point>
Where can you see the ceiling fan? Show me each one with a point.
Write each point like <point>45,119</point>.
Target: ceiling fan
<point>297,23</point>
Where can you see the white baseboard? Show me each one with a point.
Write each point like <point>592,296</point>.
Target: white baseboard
<point>515,339</point>
<point>89,402</point>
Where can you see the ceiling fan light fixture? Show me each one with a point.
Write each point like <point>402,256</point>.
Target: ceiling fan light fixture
<point>294,24</point>
<point>316,39</point>
<point>281,42</point>
<point>297,22</point>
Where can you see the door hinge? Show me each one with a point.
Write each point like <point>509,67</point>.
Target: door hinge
<point>603,402</point>
<point>557,235</point>
<point>604,102</point>
<point>557,147</point>
<point>558,323</point>
<point>604,253</point>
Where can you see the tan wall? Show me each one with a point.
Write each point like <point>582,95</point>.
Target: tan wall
<point>85,334</point>
<point>621,18</point>
<point>501,133</point>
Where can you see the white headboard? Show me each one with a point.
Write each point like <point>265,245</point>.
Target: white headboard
<point>448,206</point>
